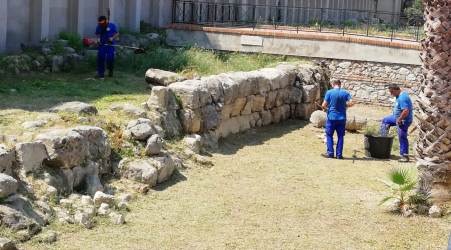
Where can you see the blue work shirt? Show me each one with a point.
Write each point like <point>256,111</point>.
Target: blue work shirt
<point>106,33</point>
<point>336,99</point>
<point>402,102</point>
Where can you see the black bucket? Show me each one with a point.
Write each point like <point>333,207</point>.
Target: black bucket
<point>378,146</point>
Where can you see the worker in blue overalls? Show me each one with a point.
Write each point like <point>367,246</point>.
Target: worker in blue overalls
<point>336,102</point>
<point>106,35</point>
<point>402,118</point>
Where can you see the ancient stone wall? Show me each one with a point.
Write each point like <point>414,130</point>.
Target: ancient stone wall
<point>230,103</point>
<point>368,81</point>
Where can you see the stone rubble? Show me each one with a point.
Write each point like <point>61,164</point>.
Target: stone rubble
<point>79,108</point>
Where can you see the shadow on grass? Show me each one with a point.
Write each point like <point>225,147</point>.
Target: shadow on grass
<point>175,178</point>
<point>258,136</point>
<point>37,92</point>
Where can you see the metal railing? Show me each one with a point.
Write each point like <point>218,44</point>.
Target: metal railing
<point>369,23</point>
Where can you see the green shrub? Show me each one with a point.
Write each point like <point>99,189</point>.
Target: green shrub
<point>349,23</point>
<point>74,40</point>
<point>57,48</point>
<point>402,184</point>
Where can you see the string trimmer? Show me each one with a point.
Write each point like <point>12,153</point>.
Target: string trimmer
<point>87,42</point>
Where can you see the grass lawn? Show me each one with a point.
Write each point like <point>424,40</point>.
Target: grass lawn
<point>28,97</point>
<point>285,198</point>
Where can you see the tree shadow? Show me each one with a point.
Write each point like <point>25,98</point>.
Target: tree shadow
<point>257,136</point>
<point>39,91</point>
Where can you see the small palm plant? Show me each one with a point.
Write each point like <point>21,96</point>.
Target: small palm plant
<point>402,184</point>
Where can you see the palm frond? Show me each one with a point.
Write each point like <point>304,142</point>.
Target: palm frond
<point>400,176</point>
<point>387,199</point>
<point>408,186</point>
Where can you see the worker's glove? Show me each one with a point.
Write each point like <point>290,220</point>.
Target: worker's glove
<point>110,41</point>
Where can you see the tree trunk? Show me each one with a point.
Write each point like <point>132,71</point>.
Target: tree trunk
<point>434,103</point>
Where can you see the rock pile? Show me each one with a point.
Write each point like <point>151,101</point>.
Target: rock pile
<point>58,55</point>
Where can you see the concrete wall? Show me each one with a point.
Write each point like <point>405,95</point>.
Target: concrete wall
<point>18,28</point>
<point>294,47</point>
<point>59,17</point>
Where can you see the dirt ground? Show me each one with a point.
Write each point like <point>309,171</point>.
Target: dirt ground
<point>269,189</point>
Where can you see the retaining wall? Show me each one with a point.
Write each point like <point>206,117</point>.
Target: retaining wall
<point>368,81</point>
<point>235,102</point>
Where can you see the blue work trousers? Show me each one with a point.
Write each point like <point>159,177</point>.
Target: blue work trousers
<point>105,54</point>
<point>403,132</point>
<point>333,126</point>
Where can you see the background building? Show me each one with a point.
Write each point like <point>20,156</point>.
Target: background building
<point>30,21</point>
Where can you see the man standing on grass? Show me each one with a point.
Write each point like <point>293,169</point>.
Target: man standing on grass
<point>106,34</point>
<point>336,101</point>
<point>402,117</point>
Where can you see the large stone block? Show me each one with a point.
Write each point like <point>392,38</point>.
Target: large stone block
<point>98,146</point>
<point>266,117</point>
<point>192,94</point>
<point>229,126</point>
<point>162,99</point>
<point>141,129</point>
<point>7,160</point>
<point>295,95</point>
<point>283,97</point>
<point>210,118</point>
<point>238,106</point>
<point>285,112</point>
<point>244,122</point>
<point>310,93</point>
<point>8,185</point>
<point>214,86</point>
<point>275,77</point>
<point>226,111</point>
<point>165,166</point>
<point>75,107</point>
<point>247,109</point>
<point>191,120</point>
<point>161,77</point>
<point>270,101</point>
<point>230,87</point>
<point>304,110</point>
<point>245,81</point>
<point>305,75</point>
<point>258,103</point>
<point>141,170</point>
<point>66,148</point>
<point>30,156</point>
<point>318,118</point>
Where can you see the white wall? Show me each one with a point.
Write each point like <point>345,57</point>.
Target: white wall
<point>18,24</point>
<point>59,17</point>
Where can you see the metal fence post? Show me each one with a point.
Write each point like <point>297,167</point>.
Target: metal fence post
<point>183,9</point>
<point>192,13</point>
<point>368,24</point>
<point>392,29</point>
<point>321,20</point>
<point>343,22</point>
<point>174,6</point>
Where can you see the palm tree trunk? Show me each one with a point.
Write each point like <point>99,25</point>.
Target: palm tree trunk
<point>434,103</point>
